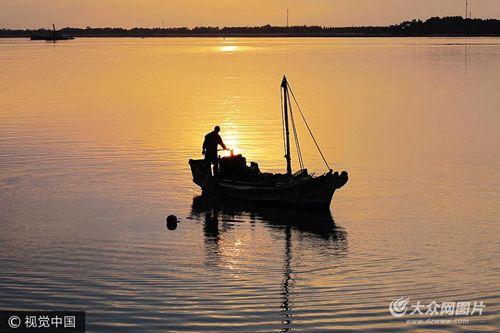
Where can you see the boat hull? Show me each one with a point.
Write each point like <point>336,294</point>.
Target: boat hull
<point>310,191</point>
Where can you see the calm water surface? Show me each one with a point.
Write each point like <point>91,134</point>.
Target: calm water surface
<point>95,135</point>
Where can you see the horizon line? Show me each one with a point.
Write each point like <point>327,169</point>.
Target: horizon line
<point>190,27</point>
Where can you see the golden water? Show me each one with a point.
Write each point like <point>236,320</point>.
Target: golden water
<point>95,135</point>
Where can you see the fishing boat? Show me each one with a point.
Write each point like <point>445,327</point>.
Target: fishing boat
<point>52,36</point>
<point>236,179</point>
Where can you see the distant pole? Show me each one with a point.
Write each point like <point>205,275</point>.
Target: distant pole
<point>287,18</point>
<point>466,8</point>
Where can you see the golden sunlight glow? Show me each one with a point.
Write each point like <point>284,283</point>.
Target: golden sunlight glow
<point>227,153</point>
<point>231,139</point>
<point>228,48</point>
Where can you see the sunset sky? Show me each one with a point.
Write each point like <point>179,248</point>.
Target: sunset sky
<point>151,13</point>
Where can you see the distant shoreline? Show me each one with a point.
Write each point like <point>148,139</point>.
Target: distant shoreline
<point>267,36</point>
<point>434,27</point>
<point>270,36</point>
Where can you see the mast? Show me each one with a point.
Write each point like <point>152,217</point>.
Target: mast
<point>284,86</point>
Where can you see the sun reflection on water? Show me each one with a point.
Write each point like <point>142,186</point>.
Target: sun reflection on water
<point>231,138</point>
<point>228,48</point>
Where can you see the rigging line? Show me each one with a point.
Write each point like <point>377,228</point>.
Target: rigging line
<point>297,141</point>
<point>295,136</point>
<point>283,122</point>
<point>308,128</point>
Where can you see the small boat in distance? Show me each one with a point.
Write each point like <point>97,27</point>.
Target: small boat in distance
<point>237,180</point>
<point>52,36</point>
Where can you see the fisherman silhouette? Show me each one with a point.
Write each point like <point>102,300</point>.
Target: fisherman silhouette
<point>212,141</point>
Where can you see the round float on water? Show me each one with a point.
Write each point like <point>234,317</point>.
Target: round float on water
<point>172,222</point>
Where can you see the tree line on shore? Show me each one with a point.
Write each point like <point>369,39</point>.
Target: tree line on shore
<point>435,26</point>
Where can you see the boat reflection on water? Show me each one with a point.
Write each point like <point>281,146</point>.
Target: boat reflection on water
<point>316,227</point>
<point>317,222</point>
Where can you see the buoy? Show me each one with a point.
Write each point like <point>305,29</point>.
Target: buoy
<point>172,222</point>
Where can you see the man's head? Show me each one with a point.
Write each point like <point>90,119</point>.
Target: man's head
<point>216,129</point>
